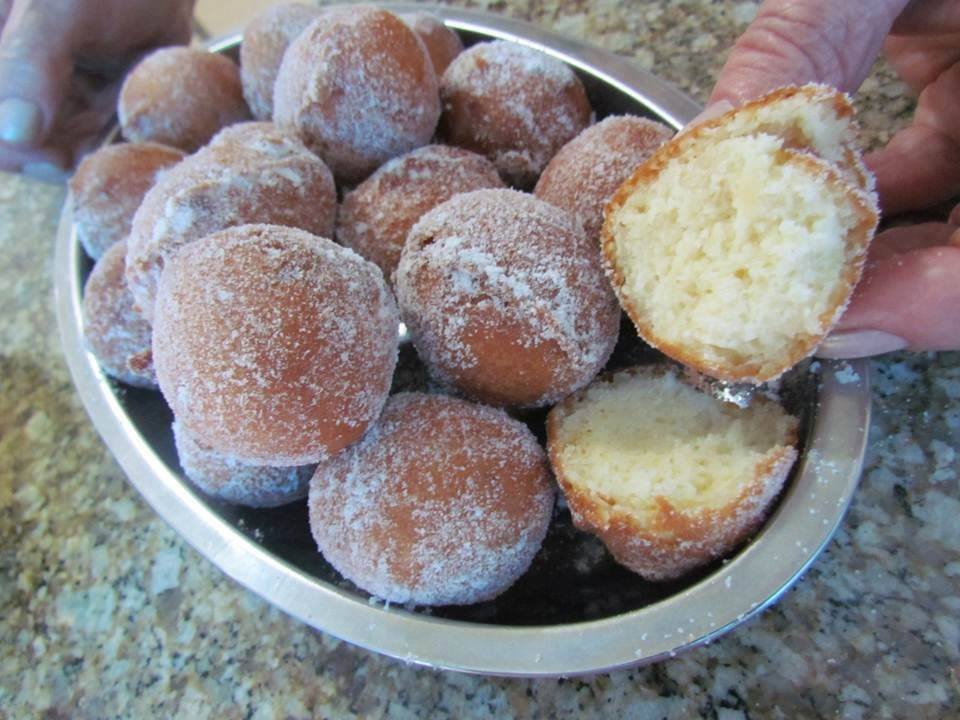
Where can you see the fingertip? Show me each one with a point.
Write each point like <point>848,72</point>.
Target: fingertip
<point>45,172</point>
<point>35,68</point>
<point>21,122</point>
<point>711,111</point>
<point>859,344</point>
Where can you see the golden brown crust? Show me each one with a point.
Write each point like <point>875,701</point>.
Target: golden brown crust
<point>109,186</point>
<point>359,88</point>
<point>181,97</point>
<point>505,298</point>
<point>442,43</point>
<point>851,165</point>
<point>513,104</point>
<point>670,542</point>
<point>456,499</point>
<point>375,217</point>
<point>857,242</point>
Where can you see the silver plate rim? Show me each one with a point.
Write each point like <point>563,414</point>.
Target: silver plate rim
<point>793,537</point>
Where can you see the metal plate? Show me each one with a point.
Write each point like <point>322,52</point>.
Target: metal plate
<point>575,611</point>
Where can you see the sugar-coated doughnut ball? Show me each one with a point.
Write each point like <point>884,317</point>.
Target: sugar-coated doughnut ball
<point>359,88</point>
<point>274,346</point>
<point>265,39</point>
<point>109,186</point>
<point>442,43</point>
<point>233,481</point>
<point>587,171</point>
<point>444,502</point>
<point>113,330</point>
<point>513,104</point>
<point>251,172</point>
<point>506,298</point>
<point>376,216</point>
<point>181,96</point>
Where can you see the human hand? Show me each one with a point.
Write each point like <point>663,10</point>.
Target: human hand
<point>910,291</point>
<point>61,66</point>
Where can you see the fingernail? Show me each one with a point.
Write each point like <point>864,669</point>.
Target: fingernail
<point>709,113</point>
<point>20,121</point>
<point>859,343</point>
<point>45,172</point>
<point>955,216</point>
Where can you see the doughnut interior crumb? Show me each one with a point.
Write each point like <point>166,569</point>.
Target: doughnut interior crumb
<point>737,246</point>
<point>668,477</point>
<point>737,255</point>
<point>633,441</point>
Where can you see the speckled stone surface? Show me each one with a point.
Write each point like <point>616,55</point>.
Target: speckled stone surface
<point>105,612</point>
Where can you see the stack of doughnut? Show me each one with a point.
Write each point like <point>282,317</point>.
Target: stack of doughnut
<point>269,315</point>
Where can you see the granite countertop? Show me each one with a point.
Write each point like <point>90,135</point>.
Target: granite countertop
<point>105,612</point>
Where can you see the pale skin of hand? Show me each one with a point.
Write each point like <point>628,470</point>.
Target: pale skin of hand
<point>910,293</point>
<point>61,63</point>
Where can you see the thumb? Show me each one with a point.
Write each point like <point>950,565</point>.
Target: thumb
<point>794,43</point>
<point>35,67</point>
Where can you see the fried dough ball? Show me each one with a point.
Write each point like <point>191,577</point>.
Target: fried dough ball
<point>375,218</point>
<point>109,186</point>
<point>514,104</point>
<point>273,346</point>
<point>113,330</point>
<point>587,171</point>
<point>226,478</point>
<point>441,42</point>
<point>265,40</point>
<point>359,88</point>
<point>506,299</point>
<point>251,172</point>
<point>182,97</point>
<point>444,502</point>
<point>669,477</point>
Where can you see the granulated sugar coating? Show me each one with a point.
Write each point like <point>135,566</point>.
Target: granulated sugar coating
<point>587,171</point>
<point>273,346</point>
<point>442,43</point>
<point>444,502</point>
<point>376,217</point>
<point>109,186</point>
<point>513,104</point>
<point>181,97</point>
<point>228,479</point>
<point>506,298</point>
<point>112,329</point>
<point>251,172</point>
<point>359,88</point>
<point>265,39</point>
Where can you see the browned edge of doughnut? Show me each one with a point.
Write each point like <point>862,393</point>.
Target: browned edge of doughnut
<point>674,542</point>
<point>840,103</point>
<point>804,345</point>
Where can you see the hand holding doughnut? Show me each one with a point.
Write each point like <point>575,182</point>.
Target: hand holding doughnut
<point>910,289</point>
